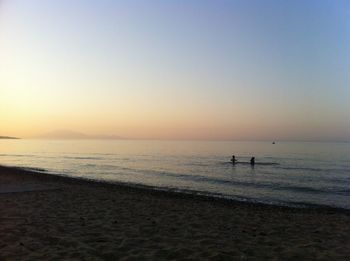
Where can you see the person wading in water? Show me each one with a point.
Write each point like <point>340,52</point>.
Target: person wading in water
<point>233,160</point>
<point>252,161</point>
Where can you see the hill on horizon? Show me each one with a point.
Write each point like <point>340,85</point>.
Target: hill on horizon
<point>8,138</point>
<point>68,134</point>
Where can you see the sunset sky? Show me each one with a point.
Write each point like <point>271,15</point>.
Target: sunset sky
<point>225,70</point>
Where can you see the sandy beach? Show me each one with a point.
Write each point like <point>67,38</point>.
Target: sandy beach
<point>45,217</point>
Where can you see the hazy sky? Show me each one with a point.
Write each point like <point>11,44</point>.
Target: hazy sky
<point>176,69</point>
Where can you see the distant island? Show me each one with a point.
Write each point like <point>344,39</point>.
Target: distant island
<point>68,134</point>
<point>8,138</point>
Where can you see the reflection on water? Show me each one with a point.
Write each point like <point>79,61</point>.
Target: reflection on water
<point>287,172</point>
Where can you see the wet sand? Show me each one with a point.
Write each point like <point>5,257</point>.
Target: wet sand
<point>46,217</point>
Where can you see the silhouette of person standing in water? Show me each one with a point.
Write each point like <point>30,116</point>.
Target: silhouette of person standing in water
<point>233,160</point>
<point>252,161</point>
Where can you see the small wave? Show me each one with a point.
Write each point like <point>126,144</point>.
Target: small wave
<point>90,165</point>
<point>83,158</point>
<point>198,164</point>
<point>256,163</point>
<point>17,155</point>
<point>32,169</point>
<point>269,186</point>
<point>301,168</point>
<point>315,169</point>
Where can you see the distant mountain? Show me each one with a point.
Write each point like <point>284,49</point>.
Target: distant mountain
<point>68,134</point>
<point>62,134</point>
<point>8,138</point>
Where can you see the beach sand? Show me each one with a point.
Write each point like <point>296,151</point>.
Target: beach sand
<point>45,217</point>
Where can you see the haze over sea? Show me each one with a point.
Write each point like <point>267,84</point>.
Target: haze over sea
<point>287,173</point>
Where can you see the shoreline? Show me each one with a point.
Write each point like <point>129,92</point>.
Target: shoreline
<point>170,192</point>
<point>49,216</point>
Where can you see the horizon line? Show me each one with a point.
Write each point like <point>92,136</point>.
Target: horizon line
<point>184,139</point>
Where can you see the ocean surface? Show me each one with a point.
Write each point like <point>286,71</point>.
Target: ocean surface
<point>286,173</point>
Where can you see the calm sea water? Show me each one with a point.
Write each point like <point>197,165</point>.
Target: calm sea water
<point>287,173</point>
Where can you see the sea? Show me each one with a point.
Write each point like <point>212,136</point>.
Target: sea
<point>299,174</point>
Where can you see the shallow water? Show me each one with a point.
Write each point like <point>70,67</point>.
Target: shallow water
<point>287,173</point>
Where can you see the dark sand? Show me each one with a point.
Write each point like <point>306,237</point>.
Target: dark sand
<point>47,217</point>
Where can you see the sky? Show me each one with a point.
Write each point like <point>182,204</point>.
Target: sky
<point>212,70</point>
